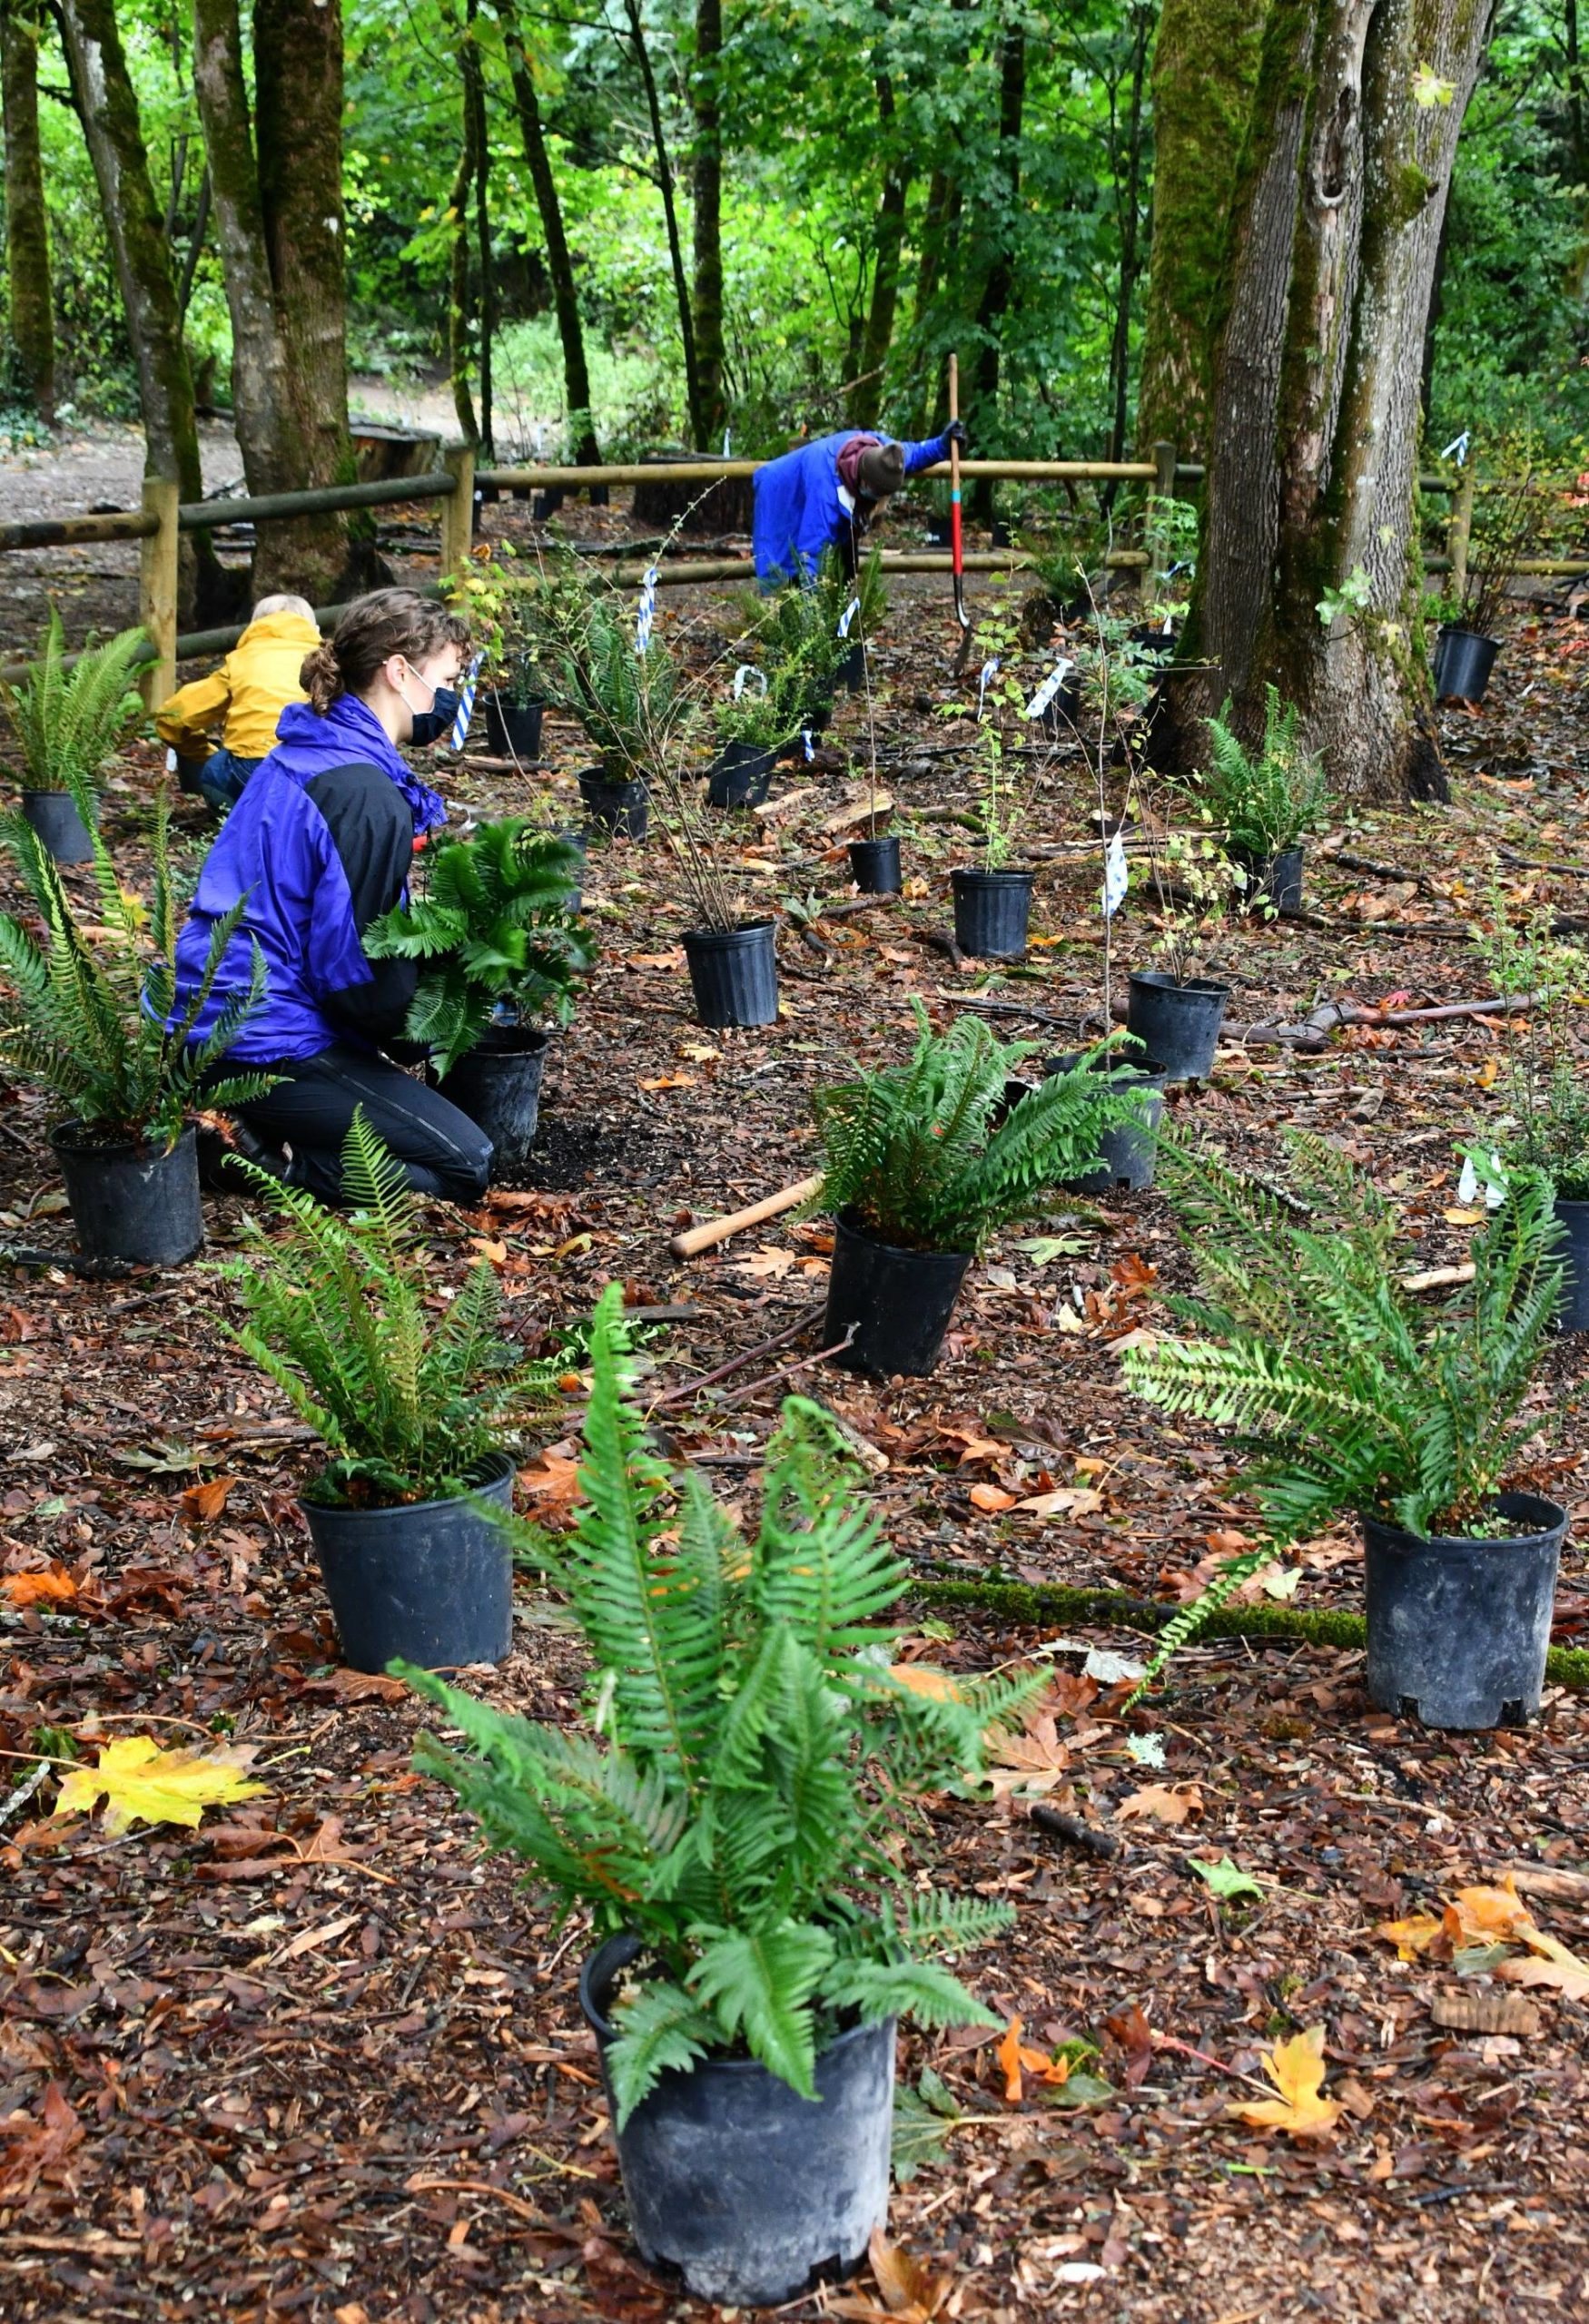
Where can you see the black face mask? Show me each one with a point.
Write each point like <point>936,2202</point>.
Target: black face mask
<point>430,725</point>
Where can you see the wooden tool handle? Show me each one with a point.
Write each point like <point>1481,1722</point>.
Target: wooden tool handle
<point>718,1230</point>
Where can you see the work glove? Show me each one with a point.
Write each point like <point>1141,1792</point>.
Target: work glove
<point>955,433</point>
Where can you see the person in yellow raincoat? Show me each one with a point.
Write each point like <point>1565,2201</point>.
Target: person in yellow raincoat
<point>221,727</point>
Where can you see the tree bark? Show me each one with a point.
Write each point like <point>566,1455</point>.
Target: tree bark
<point>686,331</point>
<point>458,284</point>
<point>1313,463</point>
<point>537,158</point>
<point>707,190</point>
<point>298,123</point>
<point>1001,275</point>
<point>27,240</point>
<point>867,397</point>
<point>474,84</point>
<point>1205,74</point>
<point>107,106</point>
<point>1128,198</point>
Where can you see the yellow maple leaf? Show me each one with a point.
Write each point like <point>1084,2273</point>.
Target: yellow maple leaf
<point>1297,2070</point>
<point>1412,1937</point>
<point>142,1784</point>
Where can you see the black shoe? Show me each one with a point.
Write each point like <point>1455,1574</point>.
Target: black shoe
<point>217,1159</point>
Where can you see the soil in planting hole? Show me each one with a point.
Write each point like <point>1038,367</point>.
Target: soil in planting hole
<point>569,1154</point>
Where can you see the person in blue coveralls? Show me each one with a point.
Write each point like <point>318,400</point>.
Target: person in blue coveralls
<point>824,494</point>
<point>318,846</point>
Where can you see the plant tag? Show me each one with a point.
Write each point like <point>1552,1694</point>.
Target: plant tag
<point>985,676</point>
<point>647,613</point>
<point>848,616</point>
<point>1050,687</point>
<point>743,676</point>
<point>1116,877</point>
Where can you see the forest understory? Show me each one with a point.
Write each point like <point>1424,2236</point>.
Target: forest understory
<point>320,2059</point>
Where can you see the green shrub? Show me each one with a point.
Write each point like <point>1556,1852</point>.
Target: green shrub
<point>68,722</point>
<point>1267,802</point>
<point>736,1796</point>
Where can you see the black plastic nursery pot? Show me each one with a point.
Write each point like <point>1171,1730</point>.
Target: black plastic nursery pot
<point>624,809</point>
<point>1463,661</point>
<point>431,1581</point>
<point>1128,1150</point>
<point>742,774</point>
<point>513,729</point>
<point>1458,1630</point>
<point>899,1301</point>
<point>875,866</point>
<point>851,670</point>
<point>129,1202</point>
<point>991,913</point>
<point>734,973</point>
<point>56,817</point>
<point>1177,1022</point>
<point>1572,1217</point>
<point>1274,880</point>
<point>497,1086</point>
<point>750,2191</point>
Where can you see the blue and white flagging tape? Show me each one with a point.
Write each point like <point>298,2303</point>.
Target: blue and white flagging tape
<point>743,676</point>
<point>848,616</point>
<point>1116,877</point>
<point>1457,448</point>
<point>646,614</point>
<point>985,676</point>
<point>466,705</point>
<point>1049,688</point>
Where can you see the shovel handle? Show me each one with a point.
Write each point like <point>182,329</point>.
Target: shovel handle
<point>956,538</point>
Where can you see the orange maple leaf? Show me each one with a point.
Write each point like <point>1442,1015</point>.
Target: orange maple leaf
<point>56,1588</point>
<point>1297,2070</point>
<point>1017,2060</point>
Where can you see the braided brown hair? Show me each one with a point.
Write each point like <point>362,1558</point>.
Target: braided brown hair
<point>372,630</point>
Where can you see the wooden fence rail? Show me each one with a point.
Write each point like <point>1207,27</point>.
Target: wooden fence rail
<point>159,523</point>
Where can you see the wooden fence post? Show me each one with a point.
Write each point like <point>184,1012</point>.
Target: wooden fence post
<point>457,510</point>
<point>1460,532</point>
<point>157,589</point>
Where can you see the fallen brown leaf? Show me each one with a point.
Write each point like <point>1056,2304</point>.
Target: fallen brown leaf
<point>1165,1803</point>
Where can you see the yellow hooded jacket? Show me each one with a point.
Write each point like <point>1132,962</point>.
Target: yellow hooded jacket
<point>249,692</point>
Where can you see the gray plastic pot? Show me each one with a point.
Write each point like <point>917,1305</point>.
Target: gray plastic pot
<point>431,1581</point>
<point>1458,1630</point>
<point>55,815</point>
<point>1177,1023</point>
<point>750,2190</point>
<point>497,1086</point>
<point>1572,1217</point>
<point>133,1203</point>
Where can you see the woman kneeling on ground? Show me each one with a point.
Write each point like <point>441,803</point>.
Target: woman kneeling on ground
<point>320,845</point>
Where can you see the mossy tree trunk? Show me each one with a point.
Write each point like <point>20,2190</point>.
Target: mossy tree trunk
<point>686,326</point>
<point>1313,459</point>
<point>537,158</point>
<point>458,300</point>
<point>876,339</point>
<point>999,279</point>
<point>1205,74</point>
<point>706,195</point>
<point>27,238</point>
<point>107,106</point>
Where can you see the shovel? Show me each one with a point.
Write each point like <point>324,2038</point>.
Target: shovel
<point>956,536</point>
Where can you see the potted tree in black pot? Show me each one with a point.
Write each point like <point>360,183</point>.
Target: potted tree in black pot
<point>67,724</point>
<point>1354,1395</point>
<point>1171,1008</point>
<point>516,702</point>
<point>922,1161</point>
<point>1507,514</point>
<point>729,1816</point>
<point>1266,802</point>
<point>498,933</point>
<point>628,701</point>
<point>89,1016</point>
<point>410,1404</point>
<point>993,898</point>
<point>752,727</point>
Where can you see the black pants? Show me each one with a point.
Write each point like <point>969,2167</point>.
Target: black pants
<point>311,1108</point>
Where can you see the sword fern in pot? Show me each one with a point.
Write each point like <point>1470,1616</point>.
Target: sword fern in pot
<point>734,1814</point>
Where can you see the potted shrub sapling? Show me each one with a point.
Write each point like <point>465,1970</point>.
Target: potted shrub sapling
<point>411,1405</point>
<point>67,724</point>
<point>752,727</point>
<point>515,705</point>
<point>501,941</point>
<point>854,610</point>
<point>626,701</point>
<point>732,955</point>
<point>993,898</point>
<point>89,1016</point>
<point>1356,1395</point>
<point>1266,802</point>
<point>1545,1124</point>
<point>922,1161</point>
<point>1505,526</point>
<point>798,643</point>
<point>730,1814</point>
<point>1172,1009</point>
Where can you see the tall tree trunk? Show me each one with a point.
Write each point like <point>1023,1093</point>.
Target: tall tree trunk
<point>707,191</point>
<point>537,158</point>
<point>474,82</point>
<point>866,399</point>
<point>1205,72</point>
<point>1128,203</point>
<point>107,106</point>
<point>940,225</point>
<point>278,428</point>
<point>1001,275</point>
<point>686,331</point>
<point>1313,463</point>
<point>27,240</point>
<point>298,123</point>
<point>457,304</point>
